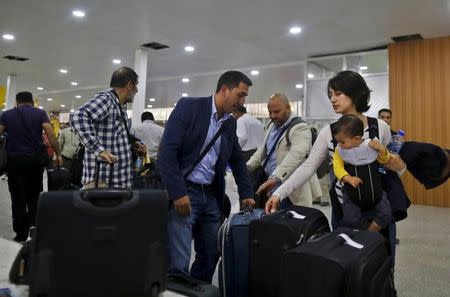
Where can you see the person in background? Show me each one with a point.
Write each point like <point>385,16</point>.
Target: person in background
<point>24,125</point>
<point>150,133</point>
<point>250,132</point>
<point>102,127</point>
<point>68,141</point>
<point>287,156</point>
<point>385,114</point>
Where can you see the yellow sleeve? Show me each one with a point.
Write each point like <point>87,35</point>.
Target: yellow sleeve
<point>338,165</point>
<point>383,159</point>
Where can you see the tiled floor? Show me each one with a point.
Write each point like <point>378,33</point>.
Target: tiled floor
<point>423,256</point>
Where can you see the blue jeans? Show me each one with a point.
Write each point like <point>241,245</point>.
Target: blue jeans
<point>202,225</point>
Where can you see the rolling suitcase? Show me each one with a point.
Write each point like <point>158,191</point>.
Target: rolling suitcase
<point>344,263</point>
<point>100,242</point>
<point>233,240</point>
<point>272,236</point>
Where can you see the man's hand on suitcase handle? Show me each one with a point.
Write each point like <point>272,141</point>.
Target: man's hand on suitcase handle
<point>108,157</point>
<point>248,202</point>
<point>182,206</point>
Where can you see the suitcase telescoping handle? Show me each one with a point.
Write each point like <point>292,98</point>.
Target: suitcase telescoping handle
<point>97,172</point>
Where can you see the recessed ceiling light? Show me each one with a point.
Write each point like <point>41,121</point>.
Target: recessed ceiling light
<point>79,13</point>
<point>299,86</point>
<point>254,72</point>
<point>74,83</point>
<point>40,107</point>
<point>117,61</point>
<point>152,99</point>
<point>295,30</point>
<point>149,106</point>
<point>62,105</point>
<point>7,36</point>
<point>185,80</point>
<point>184,95</point>
<point>49,99</point>
<point>310,75</point>
<point>189,48</point>
<point>78,96</point>
<point>62,70</point>
<point>72,110</point>
<point>40,88</point>
<point>363,67</point>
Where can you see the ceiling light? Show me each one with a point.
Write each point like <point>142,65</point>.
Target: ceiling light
<point>62,105</point>
<point>184,95</point>
<point>185,80</point>
<point>78,96</point>
<point>72,110</point>
<point>49,99</point>
<point>295,30</point>
<point>117,61</point>
<point>40,107</point>
<point>8,36</point>
<point>62,70</point>
<point>74,83</point>
<point>152,99</point>
<point>189,48</point>
<point>79,13</point>
<point>254,72</point>
<point>149,106</point>
<point>310,75</point>
<point>40,88</point>
<point>363,67</point>
<point>299,86</point>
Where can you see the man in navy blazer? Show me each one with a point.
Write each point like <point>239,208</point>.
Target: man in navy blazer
<point>197,200</point>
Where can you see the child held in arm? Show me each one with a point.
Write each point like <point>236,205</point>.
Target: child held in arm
<point>356,163</point>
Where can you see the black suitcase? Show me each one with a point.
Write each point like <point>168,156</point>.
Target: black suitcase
<point>344,263</point>
<point>101,242</point>
<point>271,236</point>
<point>59,179</point>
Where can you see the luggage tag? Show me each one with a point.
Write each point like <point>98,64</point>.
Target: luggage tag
<point>296,215</point>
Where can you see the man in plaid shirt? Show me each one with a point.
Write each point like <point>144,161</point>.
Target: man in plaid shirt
<point>100,124</point>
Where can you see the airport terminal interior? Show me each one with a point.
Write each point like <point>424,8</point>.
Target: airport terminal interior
<point>64,53</point>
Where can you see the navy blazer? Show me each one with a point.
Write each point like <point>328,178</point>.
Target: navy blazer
<point>184,135</point>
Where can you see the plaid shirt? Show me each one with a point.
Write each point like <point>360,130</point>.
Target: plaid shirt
<point>100,126</point>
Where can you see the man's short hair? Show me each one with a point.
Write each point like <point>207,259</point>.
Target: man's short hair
<point>122,76</point>
<point>147,115</point>
<point>350,125</point>
<point>384,110</point>
<point>232,79</point>
<point>241,109</point>
<point>24,97</point>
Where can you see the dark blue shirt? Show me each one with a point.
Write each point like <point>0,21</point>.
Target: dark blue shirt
<point>24,133</point>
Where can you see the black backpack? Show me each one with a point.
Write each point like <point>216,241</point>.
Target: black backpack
<point>367,195</point>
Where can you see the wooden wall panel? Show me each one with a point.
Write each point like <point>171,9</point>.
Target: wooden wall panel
<point>419,89</point>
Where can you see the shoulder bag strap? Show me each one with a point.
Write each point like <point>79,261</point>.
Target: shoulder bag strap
<point>207,148</point>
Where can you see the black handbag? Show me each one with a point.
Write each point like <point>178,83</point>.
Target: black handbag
<point>3,154</point>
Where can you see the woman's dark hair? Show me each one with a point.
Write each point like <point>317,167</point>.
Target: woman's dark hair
<point>350,125</point>
<point>354,86</point>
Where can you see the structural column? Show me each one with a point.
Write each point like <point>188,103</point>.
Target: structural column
<point>11,91</point>
<point>140,66</point>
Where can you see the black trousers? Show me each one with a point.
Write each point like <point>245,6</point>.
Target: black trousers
<point>25,185</point>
